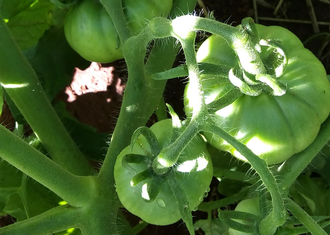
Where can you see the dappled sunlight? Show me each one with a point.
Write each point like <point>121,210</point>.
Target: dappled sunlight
<point>226,111</point>
<point>8,86</point>
<point>131,108</point>
<point>94,79</point>
<point>259,146</point>
<point>200,163</point>
<point>183,25</point>
<point>62,203</point>
<point>144,192</point>
<point>163,162</point>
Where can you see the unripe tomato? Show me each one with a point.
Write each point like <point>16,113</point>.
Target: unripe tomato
<point>273,127</point>
<point>193,171</point>
<point>90,31</point>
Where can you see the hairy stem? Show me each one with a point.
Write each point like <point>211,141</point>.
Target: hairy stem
<point>278,215</point>
<point>139,102</point>
<point>76,190</point>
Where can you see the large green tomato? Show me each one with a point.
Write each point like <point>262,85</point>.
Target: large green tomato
<point>273,127</point>
<point>90,31</point>
<point>193,172</point>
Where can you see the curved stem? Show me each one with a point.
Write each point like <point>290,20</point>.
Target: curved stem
<point>224,100</point>
<point>278,216</point>
<point>236,37</point>
<point>182,202</point>
<point>169,156</point>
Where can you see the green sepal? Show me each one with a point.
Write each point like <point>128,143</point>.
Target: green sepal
<point>252,220</point>
<point>150,137</point>
<point>244,88</point>
<point>182,202</point>
<point>276,61</point>
<point>225,100</point>
<point>278,88</point>
<point>140,177</point>
<point>135,158</point>
<point>182,71</point>
<point>176,123</point>
<point>250,27</point>
<point>154,188</point>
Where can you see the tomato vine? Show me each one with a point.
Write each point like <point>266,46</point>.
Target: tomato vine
<point>253,91</point>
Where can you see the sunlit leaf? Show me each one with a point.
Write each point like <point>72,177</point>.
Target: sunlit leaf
<point>27,19</point>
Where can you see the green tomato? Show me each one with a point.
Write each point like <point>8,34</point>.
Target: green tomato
<point>193,171</point>
<point>273,127</point>
<point>90,32</point>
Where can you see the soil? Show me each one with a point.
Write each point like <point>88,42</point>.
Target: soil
<point>95,94</point>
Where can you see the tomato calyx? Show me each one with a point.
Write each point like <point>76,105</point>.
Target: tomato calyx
<point>152,182</point>
<point>253,77</point>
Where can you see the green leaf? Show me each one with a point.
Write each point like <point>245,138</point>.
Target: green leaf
<point>70,231</point>
<point>54,61</point>
<point>22,197</point>
<point>312,194</point>
<point>27,20</point>
<point>93,144</point>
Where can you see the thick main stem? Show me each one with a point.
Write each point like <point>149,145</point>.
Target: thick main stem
<point>138,105</point>
<point>23,87</point>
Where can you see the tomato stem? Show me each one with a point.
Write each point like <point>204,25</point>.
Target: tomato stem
<point>76,190</point>
<point>170,155</point>
<point>52,221</point>
<point>278,216</point>
<point>24,88</point>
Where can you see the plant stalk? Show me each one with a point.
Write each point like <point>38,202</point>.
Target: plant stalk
<point>76,190</point>
<point>23,87</point>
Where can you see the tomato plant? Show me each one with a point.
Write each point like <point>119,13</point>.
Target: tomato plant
<point>252,91</point>
<point>273,126</point>
<point>193,171</point>
<point>91,32</point>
